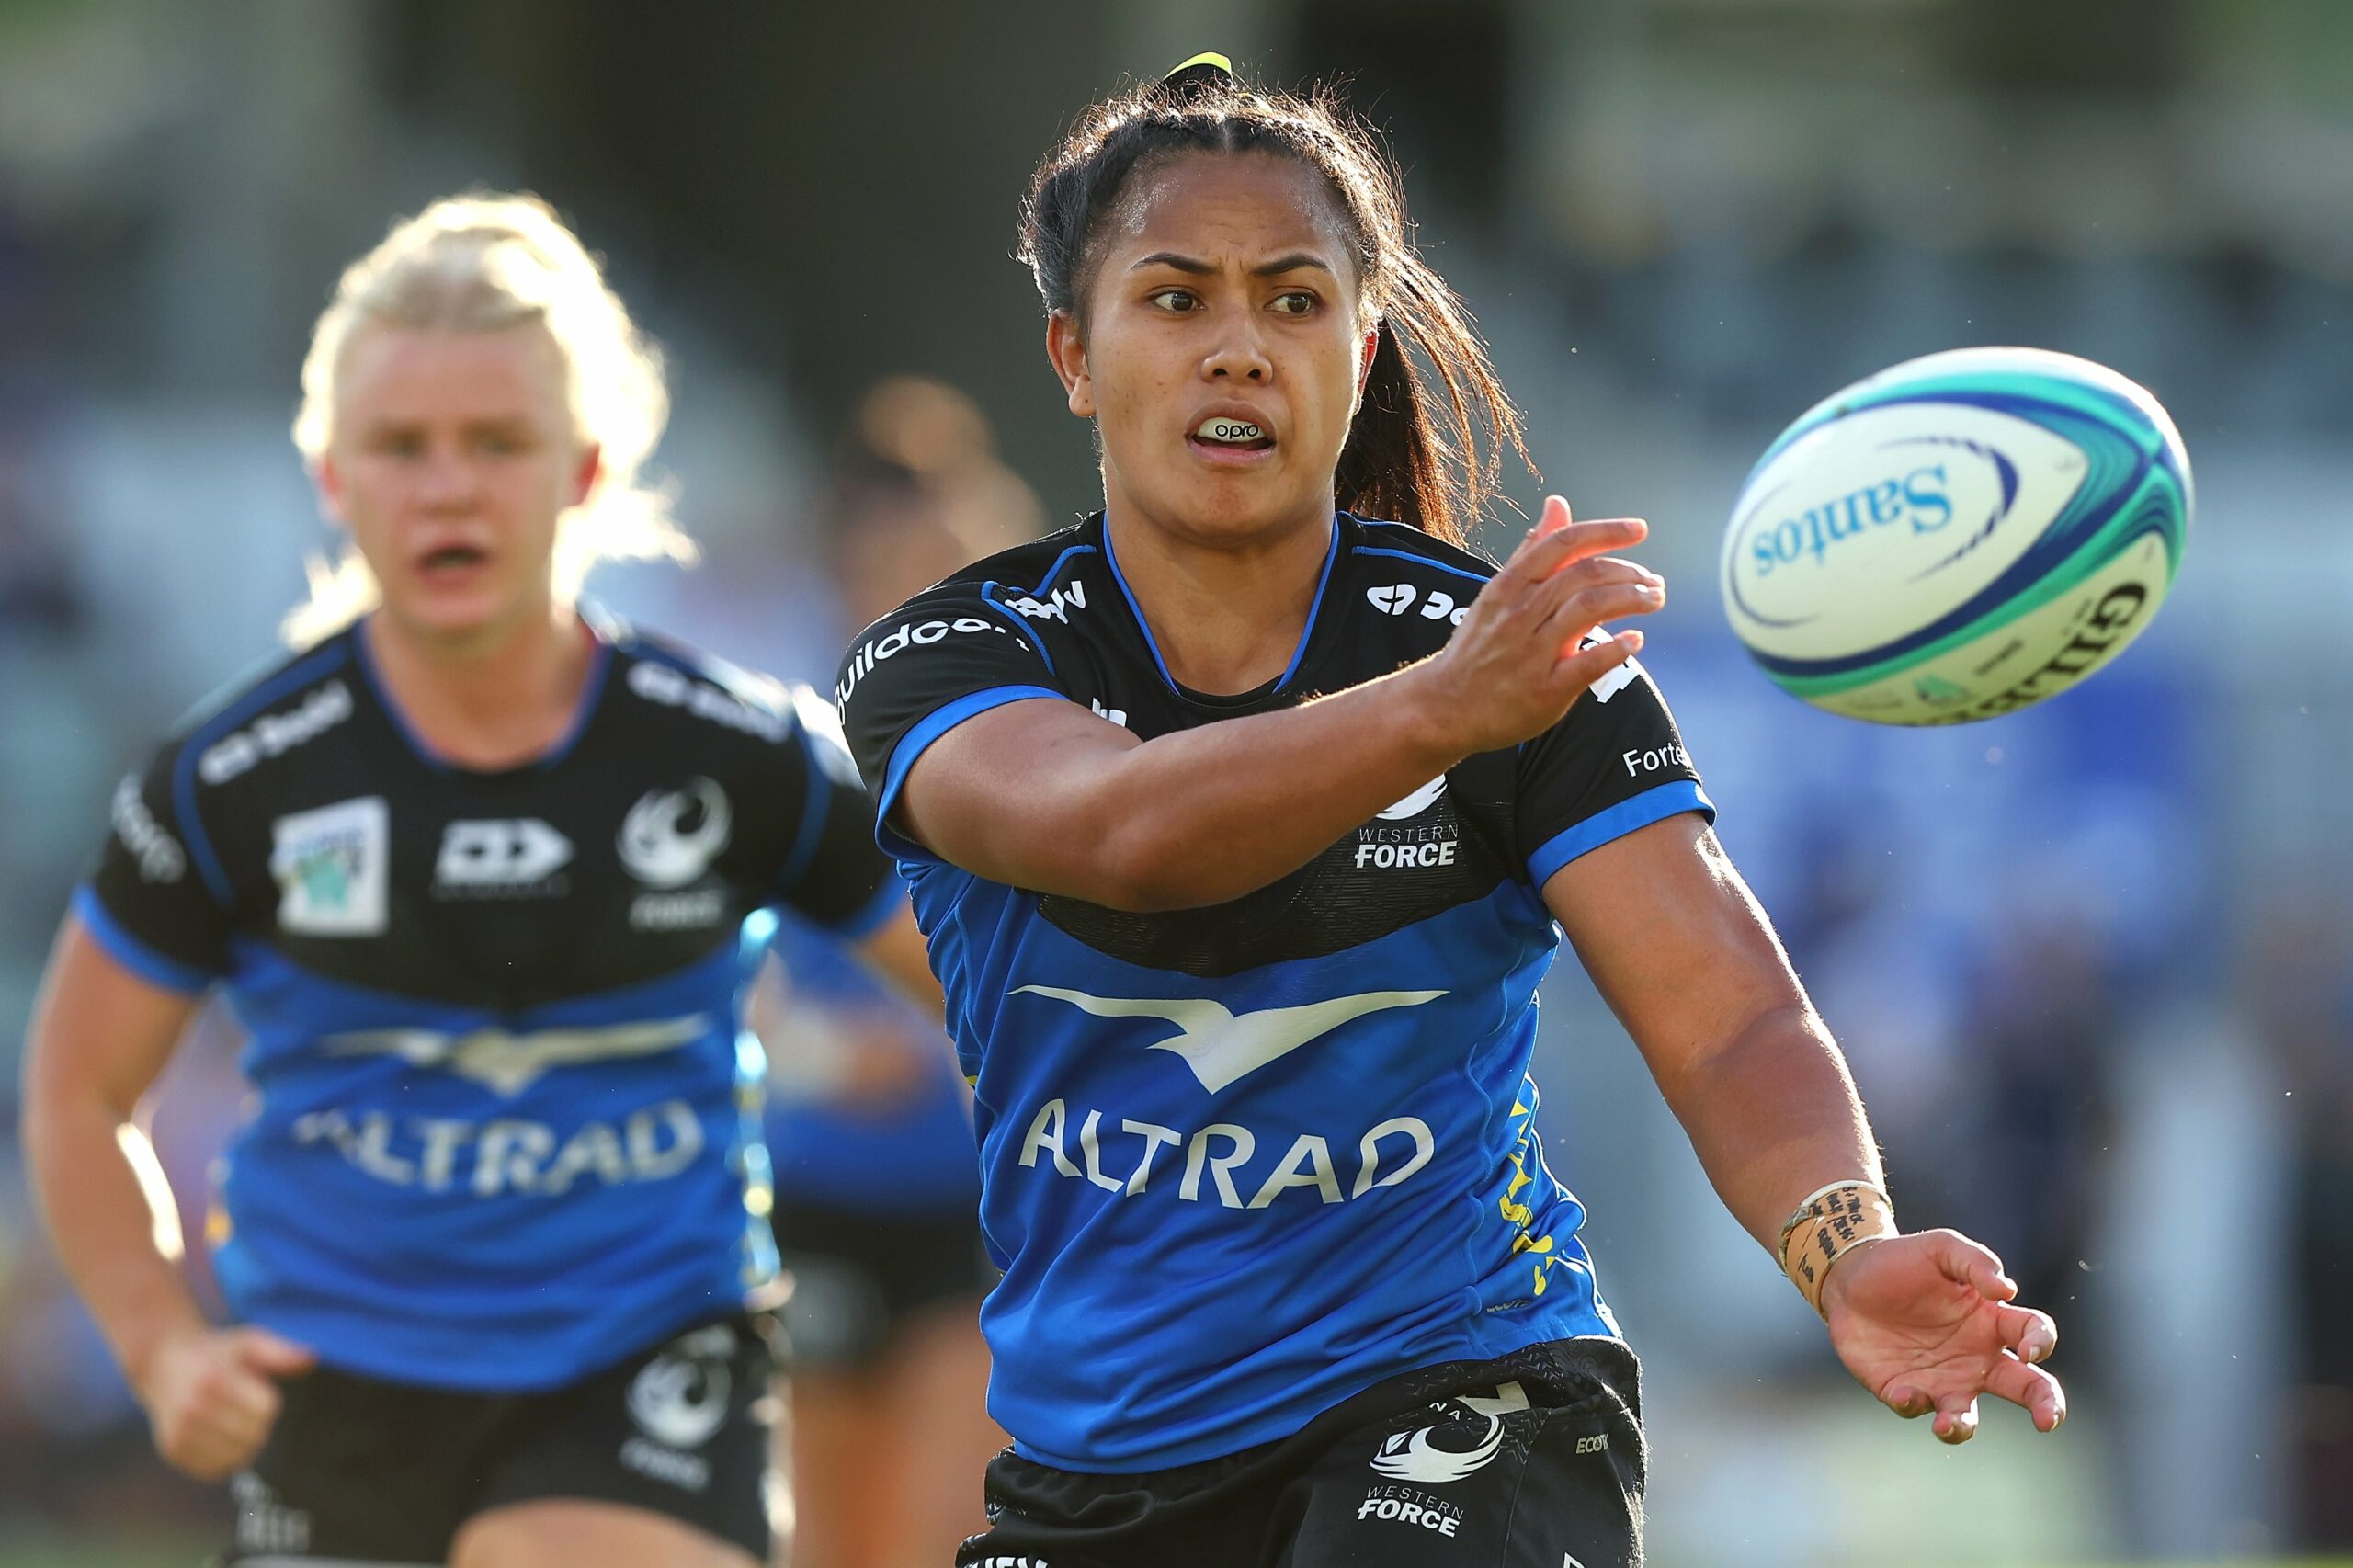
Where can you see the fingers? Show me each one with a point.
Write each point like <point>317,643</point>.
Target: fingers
<point>1956,1413</point>
<point>2031,1334</point>
<point>221,1424</point>
<point>268,1353</point>
<point>1967,1263</point>
<point>2031,1388</point>
<point>217,1399</point>
<point>1555,544</point>
<point>1585,665</point>
<point>1555,516</point>
<point>1598,591</point>
<point>1956,1419</point>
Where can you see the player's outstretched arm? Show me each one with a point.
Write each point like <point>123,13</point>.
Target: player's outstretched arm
<point>1687,959</point>
<point>100,1035</point>
<point>1046,795</point>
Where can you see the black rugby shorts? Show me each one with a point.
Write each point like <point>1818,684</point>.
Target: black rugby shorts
<point>362,1471</point>
<point>1531,1460</point>
<point>860,1277</point>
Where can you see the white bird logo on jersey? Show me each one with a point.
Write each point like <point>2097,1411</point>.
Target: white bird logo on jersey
<point>653,849</point>
<point>513,1062</point>
<point>1222,1048</point>
<point>1417,802</point>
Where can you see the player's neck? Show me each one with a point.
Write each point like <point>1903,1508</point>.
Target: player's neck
<point>493,701</point>
<point>1226,616</point>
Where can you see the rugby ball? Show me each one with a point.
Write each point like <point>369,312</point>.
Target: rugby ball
<point>1958,536</point>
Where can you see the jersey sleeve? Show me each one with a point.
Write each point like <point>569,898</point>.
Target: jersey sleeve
<point>1614,762</point>
<point>944,657</point>
<point>833,874</point>
<point>149,904</point>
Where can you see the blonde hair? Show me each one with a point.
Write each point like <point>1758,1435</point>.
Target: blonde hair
<point>481,263</point>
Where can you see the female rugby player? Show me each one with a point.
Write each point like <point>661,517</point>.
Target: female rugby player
<point>470,866</point>
<point>1240,824</point>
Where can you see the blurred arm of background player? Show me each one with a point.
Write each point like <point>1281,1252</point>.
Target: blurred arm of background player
<point>879,1418</point>
<point>863,1058</point>
<point>100,1036</point>
<point>896,953</point>
<point>1683,954</point>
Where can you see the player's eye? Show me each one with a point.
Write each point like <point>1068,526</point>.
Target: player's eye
<point>398,443</point>
<point>1293,302</point>
<point>1176,301</point>
<point>498,443</point>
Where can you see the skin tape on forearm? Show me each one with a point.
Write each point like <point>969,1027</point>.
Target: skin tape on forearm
<point>1831,1224</point>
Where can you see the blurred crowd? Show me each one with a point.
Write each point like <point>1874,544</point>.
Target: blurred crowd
<point>2092,963</point>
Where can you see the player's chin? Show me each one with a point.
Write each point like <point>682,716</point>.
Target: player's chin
<point>451,610</point>
<point>1238,505</point>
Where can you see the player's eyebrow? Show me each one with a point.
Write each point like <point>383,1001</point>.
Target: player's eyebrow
<point>1199,268</point>
<point>1294,262</point>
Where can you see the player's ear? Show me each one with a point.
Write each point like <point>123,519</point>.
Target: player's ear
<point>1069,356</point>
<point>330,483</point>
<point>586,473</point>
<point>1367,350</point>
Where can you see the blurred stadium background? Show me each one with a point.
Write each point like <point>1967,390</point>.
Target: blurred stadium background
<point>2092,963</point>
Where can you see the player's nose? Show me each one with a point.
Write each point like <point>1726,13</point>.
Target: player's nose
<point>446,482</point>
<point>1239,356</point>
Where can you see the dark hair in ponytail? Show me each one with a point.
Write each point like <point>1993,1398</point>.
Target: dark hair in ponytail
<point>1413,454</point>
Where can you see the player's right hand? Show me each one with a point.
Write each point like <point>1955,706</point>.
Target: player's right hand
<point>211,1395</point>
<point>1514,664</point>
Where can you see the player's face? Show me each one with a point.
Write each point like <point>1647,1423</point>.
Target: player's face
<point>452,461</point>
<point>1224,297</point>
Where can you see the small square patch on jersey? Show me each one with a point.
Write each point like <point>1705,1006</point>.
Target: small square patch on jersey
<point>333,869</point>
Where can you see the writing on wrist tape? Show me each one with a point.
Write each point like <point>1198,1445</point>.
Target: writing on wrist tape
<point>1832,1223</point>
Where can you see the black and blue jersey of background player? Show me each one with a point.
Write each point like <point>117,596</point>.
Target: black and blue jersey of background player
<point>1242,828</point>
<point>470,871</point>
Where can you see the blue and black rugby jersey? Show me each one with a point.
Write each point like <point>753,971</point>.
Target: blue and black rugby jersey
<point>503,1132</point>
<point>1242,1162</point>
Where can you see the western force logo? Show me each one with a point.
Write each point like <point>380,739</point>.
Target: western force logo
<point>1417,1457</point>
<point>1399,849</point>
<point>1410,1456</point>
<point>1222,1047</point>
<point>1417,802</point>
<point>513,1062</point>
<point>657,845</point>
<point>679,1398</point>
<point>331,869</point>
<point>679,1402</point>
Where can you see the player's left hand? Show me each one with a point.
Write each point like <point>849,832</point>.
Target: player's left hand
<point>1927,1322</point>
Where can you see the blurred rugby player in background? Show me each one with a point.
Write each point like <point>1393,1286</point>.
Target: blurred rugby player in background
<point>869,1125</point>
<point>471,865</point>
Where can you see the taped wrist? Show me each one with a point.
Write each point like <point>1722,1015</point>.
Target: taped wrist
<point>1826,1227</point>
